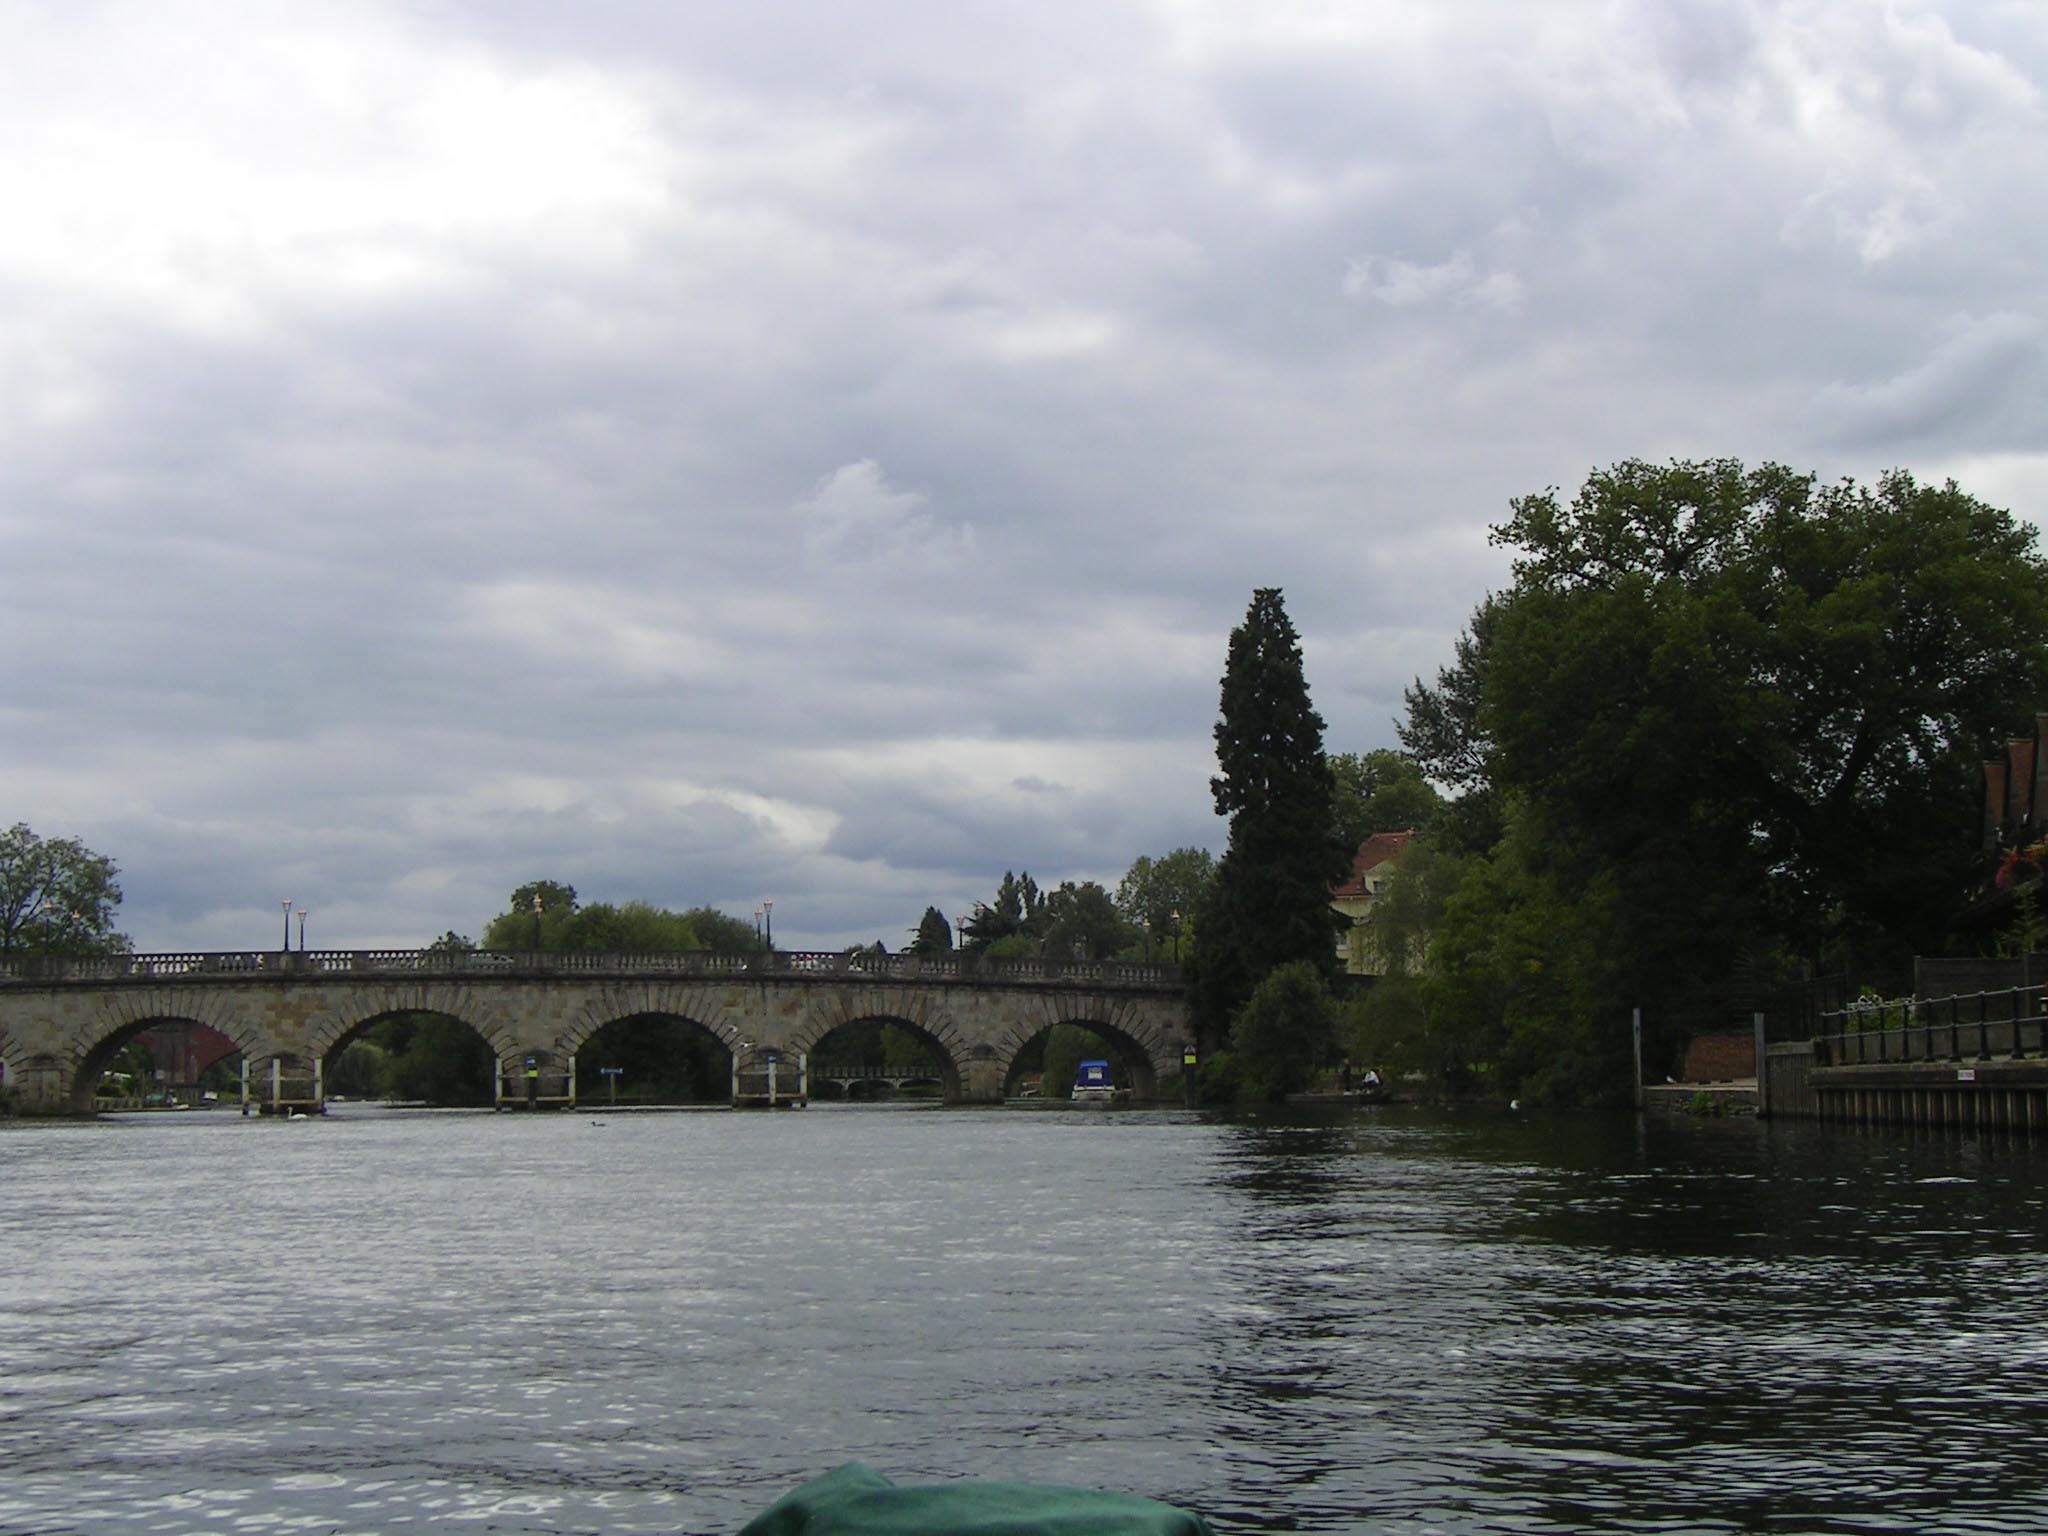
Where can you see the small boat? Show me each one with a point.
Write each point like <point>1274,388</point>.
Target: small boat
<point>1093,1085</point>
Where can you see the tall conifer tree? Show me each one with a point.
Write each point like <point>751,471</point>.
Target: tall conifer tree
<point>1270,904</point>
<point>932,935</point>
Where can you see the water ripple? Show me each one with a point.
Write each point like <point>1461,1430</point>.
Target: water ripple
<point>1387,1322</point>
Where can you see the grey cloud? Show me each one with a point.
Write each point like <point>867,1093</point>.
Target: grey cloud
<point>863,510</point>
<point>1986,383</point>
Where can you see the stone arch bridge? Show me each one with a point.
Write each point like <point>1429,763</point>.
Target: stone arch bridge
<point>62,1022</point>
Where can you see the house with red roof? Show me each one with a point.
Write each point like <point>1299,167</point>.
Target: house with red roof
<point>1371,867</point>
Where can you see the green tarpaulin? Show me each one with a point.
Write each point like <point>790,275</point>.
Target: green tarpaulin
<point>858,1501</point>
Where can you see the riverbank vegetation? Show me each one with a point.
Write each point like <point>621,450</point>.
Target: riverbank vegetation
<point>1721,730</point>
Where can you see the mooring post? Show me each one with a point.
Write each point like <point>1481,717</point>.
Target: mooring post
<point>245,1084</point>
<point>1636,1028</point>
<point>1763,1071</point>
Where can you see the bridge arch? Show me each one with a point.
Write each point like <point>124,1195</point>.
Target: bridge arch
<point>941,1041</point>
<point>692,1002</point>
<point>429,1055</point>
<point>657,1057</point>
<point>854,1070</point>
<point>181,1052</point>
<point>359,1008</point>
<point>1132,1054</point>
<point>121,1017</point>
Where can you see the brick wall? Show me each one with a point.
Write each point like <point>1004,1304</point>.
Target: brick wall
<point>1718,1058</point>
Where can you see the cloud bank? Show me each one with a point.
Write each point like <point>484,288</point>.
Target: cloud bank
<point>706,455</point>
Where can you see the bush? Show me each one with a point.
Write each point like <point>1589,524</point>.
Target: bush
<point>1283,1033</point>
<point>1872,1012</point>
<point>1216,1079</point>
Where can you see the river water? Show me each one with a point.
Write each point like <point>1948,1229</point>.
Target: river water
<point>1380,1320</point>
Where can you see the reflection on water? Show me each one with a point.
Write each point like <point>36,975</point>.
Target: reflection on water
<point>1392,1320</point>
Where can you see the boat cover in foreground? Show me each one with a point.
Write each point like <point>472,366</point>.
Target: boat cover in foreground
<point>855,1500</point>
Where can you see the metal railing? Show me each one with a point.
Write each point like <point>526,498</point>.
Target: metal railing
<point>872,1072</point>
<point>1969,1026</point>
<point>802,964</point>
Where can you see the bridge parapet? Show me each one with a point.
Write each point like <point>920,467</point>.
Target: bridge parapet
<point>809,965</point>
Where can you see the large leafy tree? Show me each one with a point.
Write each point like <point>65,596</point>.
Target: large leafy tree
<point>722,933</point>
<point>1380,791</point>
<point>633,926</point>
<point>57,897</point>
<point>1271,901</point>
<point>1160,896</point>
<point>1727,711</point>
<point>533,918</point>
<point>562,922</point>
<point>1082,922</point>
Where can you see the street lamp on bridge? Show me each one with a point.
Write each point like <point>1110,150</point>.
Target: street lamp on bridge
<point>304,913</point>
<point>768,919</point>
<point>287,904</point>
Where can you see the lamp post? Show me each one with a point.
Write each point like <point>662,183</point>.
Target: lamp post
<point>960,923</point>
<point>287,905</point>
<point>768,919</point>
<point>304,913</point>
<point>536,922</point>
<point>1146,924</point>
<point>1176,935</point>
<point>757,925</point>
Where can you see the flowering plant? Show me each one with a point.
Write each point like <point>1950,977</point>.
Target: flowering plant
<point>2020,864</point>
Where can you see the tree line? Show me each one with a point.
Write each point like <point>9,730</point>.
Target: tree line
<point>1721,732</point>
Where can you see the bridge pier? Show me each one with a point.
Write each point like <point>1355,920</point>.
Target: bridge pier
<point>531,1080</point>
<point>284,1085</point>
<point>981,1079</point>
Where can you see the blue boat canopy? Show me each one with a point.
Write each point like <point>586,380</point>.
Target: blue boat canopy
<point>1092,1074</point>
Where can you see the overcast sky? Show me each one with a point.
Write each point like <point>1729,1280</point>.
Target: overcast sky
<point>818,451</point>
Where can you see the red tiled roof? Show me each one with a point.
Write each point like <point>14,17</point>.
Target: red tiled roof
<point>1372,853</point>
